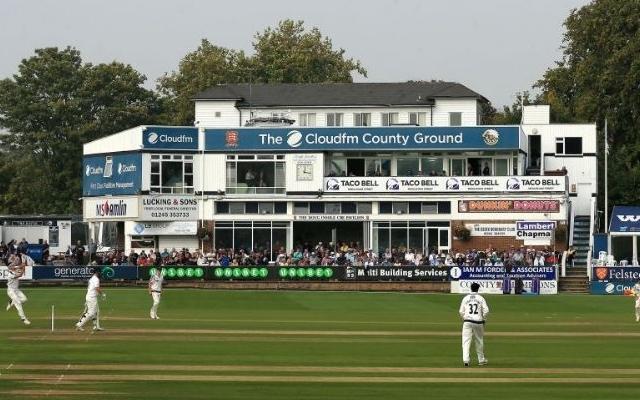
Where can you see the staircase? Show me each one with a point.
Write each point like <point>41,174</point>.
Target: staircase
<point>580,239</point>
<point>576,281</point>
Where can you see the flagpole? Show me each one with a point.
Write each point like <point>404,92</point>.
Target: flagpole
<point>606,178</point>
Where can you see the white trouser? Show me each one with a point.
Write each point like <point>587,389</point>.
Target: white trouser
<point>156,302</point>
<point>17,298</point>
<point>469,330</point>
<point>91,311</point>
<point>637,307</point>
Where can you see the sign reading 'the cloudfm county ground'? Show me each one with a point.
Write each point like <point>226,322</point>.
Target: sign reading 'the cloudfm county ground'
<point>364,138</point>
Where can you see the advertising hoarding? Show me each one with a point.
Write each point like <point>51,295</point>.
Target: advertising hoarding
<point>443,184</point>
<point>170,208</point>
<point>116,174</point>
<point>364,138</point>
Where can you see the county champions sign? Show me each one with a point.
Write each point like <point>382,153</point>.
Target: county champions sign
<point>363,138</point>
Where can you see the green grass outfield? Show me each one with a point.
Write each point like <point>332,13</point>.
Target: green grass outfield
<point>317,345</point>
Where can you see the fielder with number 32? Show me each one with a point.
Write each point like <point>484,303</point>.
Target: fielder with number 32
<point>473,311</point>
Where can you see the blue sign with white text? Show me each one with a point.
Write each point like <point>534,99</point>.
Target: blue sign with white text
<point>614,287</point>
<point>500,272</point>
<point>364,138</point>
<point>170,137</point>
<point>616,274</point>
<point>625,219</point>
<point>114,174</point>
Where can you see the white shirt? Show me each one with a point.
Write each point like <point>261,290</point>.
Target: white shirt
<point>92,290</point>
<point>635,289</point>
<point>12,280</point>
<point>474,308</point>
<point>155,282</point>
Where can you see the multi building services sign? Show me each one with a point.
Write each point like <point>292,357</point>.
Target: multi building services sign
<point>170,138</point>
<point>115,174</point>
<point>364,138</point>
<point>443,184</point>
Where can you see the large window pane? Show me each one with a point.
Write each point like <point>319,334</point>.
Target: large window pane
<point>415,240</point>
<point>407,166</point>
<point>399,238</point>
<point>261,239</point>
<point>279,240</point>
<point>171,174</point>
<point>380,239</point>
<point>458,167</point>
<point>432,166</point>
<point>338,167</point>
<point>377,167</point>
<point>223,238</point>
<point>242,239</point>
<point>502,167</point>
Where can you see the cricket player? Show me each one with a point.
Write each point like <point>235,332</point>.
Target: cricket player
<point>474,311</point>
<point>91,310</point>
<point>17,298</point>
<point>155,290</point>
<point>636,292</point>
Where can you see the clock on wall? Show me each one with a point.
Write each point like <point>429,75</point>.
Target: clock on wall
<point>304,172</point>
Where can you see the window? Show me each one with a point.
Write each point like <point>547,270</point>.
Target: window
<point>364,208</point>
<point>455,119</point>
<point>171,173</point>
<point>377,167</point>
<point>432,166</point>
<point>307,119</point>
<point>338,167</point>
<point>569,146</point>
<point>332,208</point>
<point>400,207</point>
<point>301,208</point>
<point>362,119</point>
<point>334,119</point>
<point>349,207</point>
<point>407,166</point>
<point>418,118</point>
<point>502,166</point>
<point>458,167</point>
<point>218,114</point>
<point>255,174</point>
<point>252,207</point>
<point>389,119</point>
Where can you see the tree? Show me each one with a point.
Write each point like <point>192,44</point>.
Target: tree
<point>597,78</point>
<point>209,65</point>
<point>53,105</point>
<point>287,54</point>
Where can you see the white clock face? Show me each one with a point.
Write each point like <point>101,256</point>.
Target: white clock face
<point>304,172</point>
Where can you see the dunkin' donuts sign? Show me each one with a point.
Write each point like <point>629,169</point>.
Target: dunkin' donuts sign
<point>509,206</point>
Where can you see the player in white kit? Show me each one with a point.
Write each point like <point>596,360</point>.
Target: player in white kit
<point>636,292</point>
<point>17,298</point>
<point>474,311</point>
<point>91,310</point>
<point>155,290</point>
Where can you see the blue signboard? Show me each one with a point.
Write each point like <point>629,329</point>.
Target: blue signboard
<point>616,274</point>
<point>84,272</point>
<point>614,287</point>
<point>364,138</point>
<point>500,272</point>
<point>114,174</point>
<point>170,138</point>
<point>625,219</point>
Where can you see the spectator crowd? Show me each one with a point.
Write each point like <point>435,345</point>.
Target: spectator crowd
<point>342,254</point>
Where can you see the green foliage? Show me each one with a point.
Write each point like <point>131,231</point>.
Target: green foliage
<point>286,54</point>
<point>597,78</point>
<point>53,105</point>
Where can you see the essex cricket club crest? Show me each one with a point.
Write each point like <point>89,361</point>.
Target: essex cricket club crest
<point>601,273</point>
<point>231,138</point>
